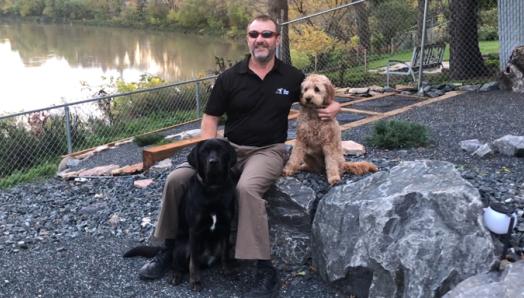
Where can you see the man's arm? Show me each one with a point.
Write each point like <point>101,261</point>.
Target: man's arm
<point>209,126</point>
<point>330,112</point>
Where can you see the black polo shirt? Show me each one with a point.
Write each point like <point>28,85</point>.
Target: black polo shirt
<point>256,109</point>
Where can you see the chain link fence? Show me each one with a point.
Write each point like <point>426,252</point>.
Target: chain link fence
<point>36,138</point>
<point>353,44</point>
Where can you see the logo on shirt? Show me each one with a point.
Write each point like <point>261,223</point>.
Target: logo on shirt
<point>282,91</point>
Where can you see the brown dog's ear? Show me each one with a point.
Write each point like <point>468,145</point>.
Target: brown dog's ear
<point>192,158</point>
<point>330,93</point>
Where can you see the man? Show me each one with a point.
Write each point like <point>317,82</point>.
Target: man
<point>256,95</point>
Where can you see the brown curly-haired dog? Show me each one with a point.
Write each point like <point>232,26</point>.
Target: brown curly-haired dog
<point>318,144</point>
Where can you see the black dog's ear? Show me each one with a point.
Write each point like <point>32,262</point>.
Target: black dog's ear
<point>192,158</point>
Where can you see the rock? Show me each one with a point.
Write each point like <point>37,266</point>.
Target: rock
<point>512,77</point>
<point>470,145</point>
<point>99,171</point>
<point>353,148</point>
<point>435,93</point>
<point>129,169</point>
<point>163,164</point>
<point>142,183</point>
<point>492,284</point>
<point>414,231</point>
<point>359,91</point>
<point>469,88</point>
<point>483,150</point>
<point>291,207</point>
<point>377,89</point>
<point>389,89</point>
<point>66,162</point>
<point>510,145</point>
<point>491,86</point>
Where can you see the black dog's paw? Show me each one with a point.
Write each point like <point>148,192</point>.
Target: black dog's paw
<point>196,286</point>
<point>175,278</point>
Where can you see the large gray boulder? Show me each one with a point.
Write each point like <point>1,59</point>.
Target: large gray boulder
<point>415,231</point>
<point>510,145</point>
<point>505,284</point>
<point>290,212</point>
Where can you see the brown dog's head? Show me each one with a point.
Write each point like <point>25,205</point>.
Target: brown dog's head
<point>316,91</point>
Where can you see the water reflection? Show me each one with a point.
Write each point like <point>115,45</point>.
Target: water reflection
<point>44,64</point>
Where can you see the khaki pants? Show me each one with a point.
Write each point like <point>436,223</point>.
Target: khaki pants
<point>260,167</point>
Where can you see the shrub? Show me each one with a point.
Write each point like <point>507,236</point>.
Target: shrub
<point>148,139</point>
<point>395,134</point>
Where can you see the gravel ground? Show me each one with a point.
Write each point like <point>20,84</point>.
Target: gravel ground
<point>66,238</point>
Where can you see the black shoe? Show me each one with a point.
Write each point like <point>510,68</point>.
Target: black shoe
<point>267,279</point>
<point>157,266</point>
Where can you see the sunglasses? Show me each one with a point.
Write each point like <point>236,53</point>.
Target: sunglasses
<point>265,34</point>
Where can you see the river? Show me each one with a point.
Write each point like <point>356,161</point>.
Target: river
<point>49,64</point>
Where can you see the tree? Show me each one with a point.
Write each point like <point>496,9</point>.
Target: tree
<point>278,9</point>
<point>465,59</point>
<point>362,22</point>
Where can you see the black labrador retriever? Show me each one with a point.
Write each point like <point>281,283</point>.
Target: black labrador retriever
<point>205,213</point>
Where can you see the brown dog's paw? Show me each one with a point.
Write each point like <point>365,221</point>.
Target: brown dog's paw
<point>288,172</point>
<point>333,180</point>
<point>360,167</point>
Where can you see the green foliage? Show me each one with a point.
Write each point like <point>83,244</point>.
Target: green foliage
<point>390,18</point>
<point>47,169</point>
<point>396,134</point>
<point>488,29</point>
<point>21,148</point>
<point>229,17</point>
<point>148,139</point>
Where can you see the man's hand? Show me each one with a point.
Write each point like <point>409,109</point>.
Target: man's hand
<point>330,112</point>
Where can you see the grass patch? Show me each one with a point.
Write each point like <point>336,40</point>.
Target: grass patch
<point>398,134</point>
<point>38,172</point>
<point>486,48</point>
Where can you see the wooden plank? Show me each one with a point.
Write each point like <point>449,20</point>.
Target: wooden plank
<point>153,154</point>
<point>385,94</point>
<point>399,111</point>
<point>349,110</point>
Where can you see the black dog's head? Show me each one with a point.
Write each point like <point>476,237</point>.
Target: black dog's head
<point>213,160</point>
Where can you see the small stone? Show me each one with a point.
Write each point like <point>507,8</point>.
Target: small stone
<point>60,249</point>
<point>142,183</point>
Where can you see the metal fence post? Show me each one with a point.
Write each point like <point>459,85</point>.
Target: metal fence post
<point>197,97</point>
<point>422,43</point>
<point>68,130</point>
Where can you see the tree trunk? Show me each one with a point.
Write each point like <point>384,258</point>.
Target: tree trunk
<point>465,60</point>
<point>362,16</point>
<point>278,9</point>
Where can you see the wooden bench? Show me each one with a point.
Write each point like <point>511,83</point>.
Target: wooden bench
<point>431,58</point>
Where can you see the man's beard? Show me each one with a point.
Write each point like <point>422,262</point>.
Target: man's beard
<point>263,58</point>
